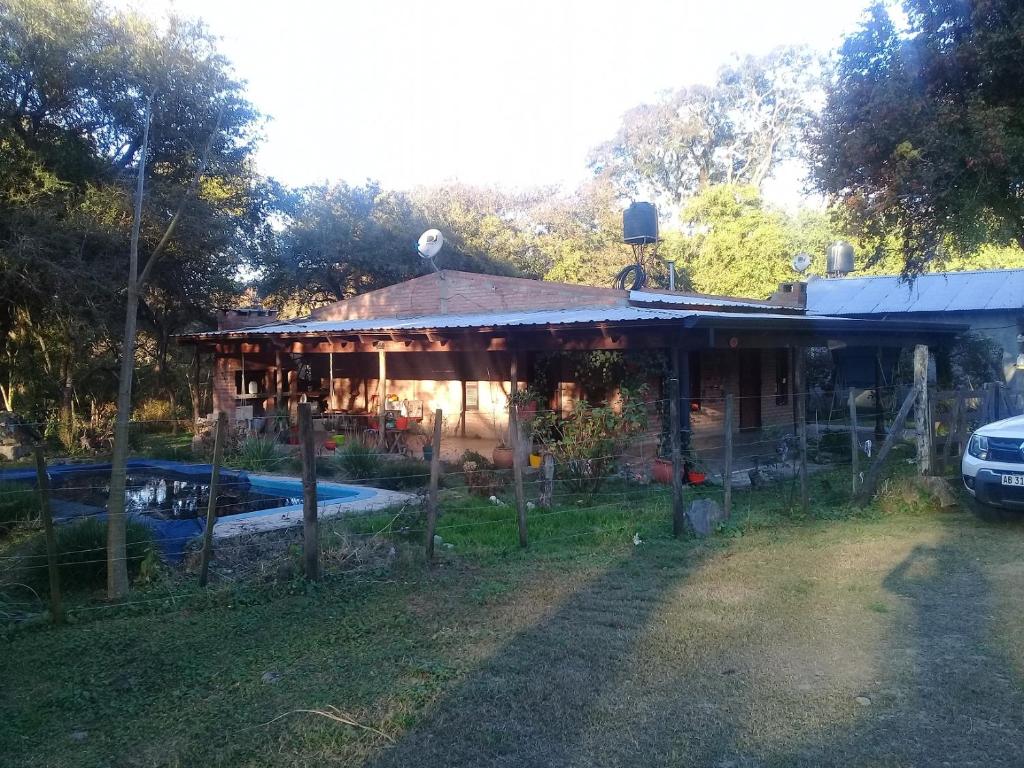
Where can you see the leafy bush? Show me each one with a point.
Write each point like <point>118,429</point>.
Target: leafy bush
<point>477,459</point>
<point>586,444</point>
<point>18,504</point>
<point>358,461</point>
<point>403,474</point>
<point>82,553</point>
<point>258,454</point>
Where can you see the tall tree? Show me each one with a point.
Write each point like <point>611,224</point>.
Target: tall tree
<point>734,131</point>
<point>922,135</point>
<point>339,240</point>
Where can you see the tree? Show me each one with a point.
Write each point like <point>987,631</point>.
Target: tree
<point>338,240</point>
<point>921,137</point>
<point>733,132</point>
<point>93,104</point>
<point>738,246</point>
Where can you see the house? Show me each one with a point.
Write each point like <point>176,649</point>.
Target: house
<point>461,342</point>
<point>989,302</point>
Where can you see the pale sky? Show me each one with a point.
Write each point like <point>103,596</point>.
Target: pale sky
<point>509,93</point>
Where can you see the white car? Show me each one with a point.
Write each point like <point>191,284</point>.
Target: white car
<point>993,464</point>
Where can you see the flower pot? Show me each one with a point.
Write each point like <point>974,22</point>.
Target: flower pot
<point>401,422</point>
<point>502,457</point>
<point>696,477</point>
<point>535,459</point>
<point>330,445</point>
<point>661,471</point>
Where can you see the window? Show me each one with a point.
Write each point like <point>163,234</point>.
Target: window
<point>472,395</point>
<point>781,376</point>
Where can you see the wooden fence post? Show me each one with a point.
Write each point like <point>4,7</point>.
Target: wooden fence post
<point>923,411</point>
<point>43,485</point>
<point>854,443</point>
<point>219,435</point>
<point>678,512</point>
<point>727,464</point>
<point>435,479</point>
<point>952,430</point>
<point>517,470</point>
<point>800,387</point>
<point>310,525</point>
<point>547,485</point>
<point>871,477</point>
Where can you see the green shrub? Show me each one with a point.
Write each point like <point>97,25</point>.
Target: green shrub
<point>18,504</point>
<point>358,461</point>
<point>481,461</point>
<point>403,474</point>
<point>258,454</point>
<point>82,553</point>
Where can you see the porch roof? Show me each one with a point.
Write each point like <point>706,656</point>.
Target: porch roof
<point>598,317</point>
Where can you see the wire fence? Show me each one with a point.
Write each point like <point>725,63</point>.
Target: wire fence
<point>378,500</point>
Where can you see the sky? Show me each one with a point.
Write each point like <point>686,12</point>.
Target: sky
<point>487,92</point>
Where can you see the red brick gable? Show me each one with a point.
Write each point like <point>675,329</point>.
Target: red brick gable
<point>450,292</point>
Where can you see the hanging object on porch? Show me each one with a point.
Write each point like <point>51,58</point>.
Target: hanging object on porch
<point>429,245</point>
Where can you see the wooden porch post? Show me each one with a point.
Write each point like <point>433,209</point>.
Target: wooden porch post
<point>678,513</point>
<point>382,394</point>
<point>278,378</point>
<point>922,409</point>
<point>684,402</point>
<point>330,378</point>
<point>800,393</point>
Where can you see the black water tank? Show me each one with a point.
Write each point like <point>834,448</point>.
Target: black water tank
<point>640,224</point>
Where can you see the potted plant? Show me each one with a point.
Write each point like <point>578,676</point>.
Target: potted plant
<point>525,402</point>
<point>502,455</point>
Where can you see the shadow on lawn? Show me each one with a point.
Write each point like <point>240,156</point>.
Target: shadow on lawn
<point>582,689</point>
<point>951,697</point>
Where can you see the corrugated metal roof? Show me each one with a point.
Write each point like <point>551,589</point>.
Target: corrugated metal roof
<point>494,320</point>
<point>936,292</point>
<point>692,300</point>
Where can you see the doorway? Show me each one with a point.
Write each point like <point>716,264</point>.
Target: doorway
<point>750,389</point>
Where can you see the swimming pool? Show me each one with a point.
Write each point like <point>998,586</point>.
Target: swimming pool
<point>171,499</point>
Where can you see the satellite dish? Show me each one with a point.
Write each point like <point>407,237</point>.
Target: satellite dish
<point>801,262</point>
<point>430,243</point>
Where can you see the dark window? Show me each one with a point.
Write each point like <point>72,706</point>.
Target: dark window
<point>781,376</point>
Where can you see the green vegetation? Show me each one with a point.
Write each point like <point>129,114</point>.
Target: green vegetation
<point>81,554</point>
<point>358,460</point>
<point>18,504</point>
<point>257,454</point>
<point>784,626</point>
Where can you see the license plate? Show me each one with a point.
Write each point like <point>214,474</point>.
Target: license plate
<point>1013,480</point>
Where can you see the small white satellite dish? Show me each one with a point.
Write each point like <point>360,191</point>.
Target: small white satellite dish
<point>801,262</point>
<point>430,243</point>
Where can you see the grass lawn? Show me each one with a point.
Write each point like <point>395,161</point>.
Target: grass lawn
<point>888,639</point>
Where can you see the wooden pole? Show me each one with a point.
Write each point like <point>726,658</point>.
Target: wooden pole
<point>547,487</point>
<point>517,472</point>
<point>330,374</point>
<point>923,409</point>
<point>310,525</point>
<point>219,435</point>
<point>678,513</point>
<point>867,488</point>
<point>727,467</point>
<point>800,385</point>
<point>435,479</point>
<point>854,443</point>
<point>382,396</point>
<point>43,485</point>
<point>517,457</point>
